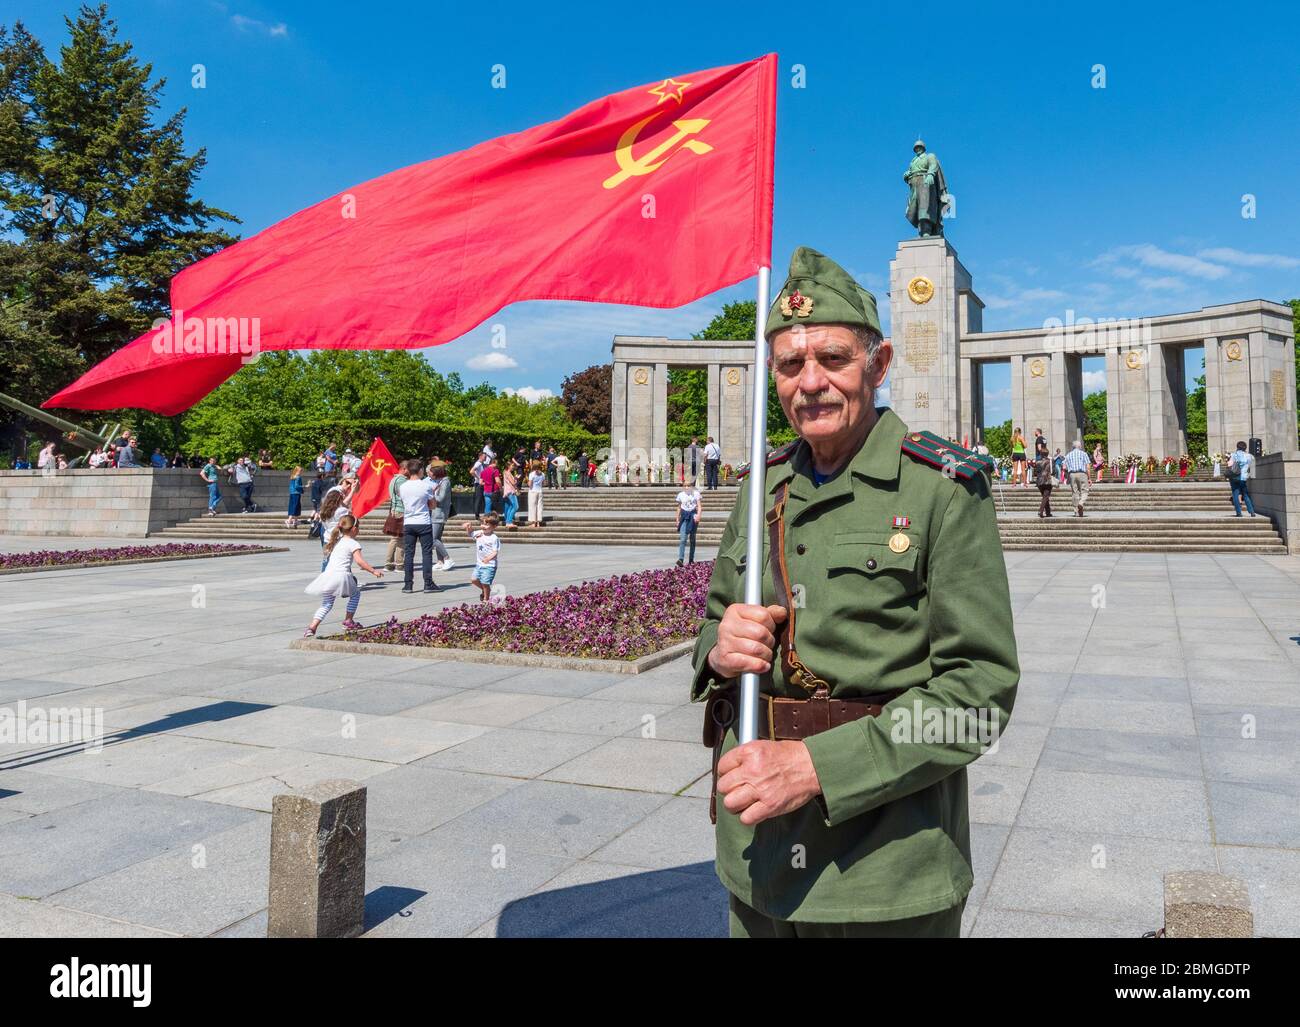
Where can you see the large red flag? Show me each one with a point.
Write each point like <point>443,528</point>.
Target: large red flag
<point>654,196</point>
<point>377,471</point>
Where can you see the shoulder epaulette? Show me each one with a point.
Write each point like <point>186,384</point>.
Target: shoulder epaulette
<point>932,449</point>
<point>776,456</point>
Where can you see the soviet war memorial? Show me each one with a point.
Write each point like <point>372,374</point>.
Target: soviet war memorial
<point>613,482</point>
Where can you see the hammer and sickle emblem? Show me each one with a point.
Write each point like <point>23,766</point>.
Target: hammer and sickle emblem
<point>1133,360</point>
<point>655,158</point>
<point>378,464</point>
<point>1234,350</point>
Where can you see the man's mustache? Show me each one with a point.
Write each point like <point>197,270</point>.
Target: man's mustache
<point>821,399</point>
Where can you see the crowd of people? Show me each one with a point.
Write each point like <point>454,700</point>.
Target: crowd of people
<point>418,509</point>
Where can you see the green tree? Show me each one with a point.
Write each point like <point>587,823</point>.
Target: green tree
<point>998,438</point>
<point>585,395</point>
<point>97,211</point>
<point>1094,413</point>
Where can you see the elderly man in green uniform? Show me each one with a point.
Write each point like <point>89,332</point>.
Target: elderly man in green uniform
<point>884,645</point>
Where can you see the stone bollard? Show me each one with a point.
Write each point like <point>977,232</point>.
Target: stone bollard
<point>1199,904</point>
<point>318,862</point>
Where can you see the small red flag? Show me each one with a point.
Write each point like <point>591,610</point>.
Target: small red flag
<point>654,196</point>
<point>378,470</point>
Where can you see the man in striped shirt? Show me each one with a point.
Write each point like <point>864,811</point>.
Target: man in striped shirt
<point>1076,466</point>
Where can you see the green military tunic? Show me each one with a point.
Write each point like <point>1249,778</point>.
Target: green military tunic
<point>889,837</point>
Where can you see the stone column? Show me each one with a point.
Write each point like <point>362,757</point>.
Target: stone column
<point>1114,441</point>
<point>1214,438</point>
<point>618,411</point>
<point>714,401</point>
<point>731,415</point>
<point>659,445</point>
<point>966,402</point>
<point>1164,375</point>
<point>1234,366</point>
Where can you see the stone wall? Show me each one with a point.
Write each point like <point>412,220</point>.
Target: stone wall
<point>130,502</point>
<point>1275,491</point>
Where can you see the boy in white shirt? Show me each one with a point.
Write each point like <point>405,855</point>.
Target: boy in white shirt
<point>689,508</point>
<point>488,546</point>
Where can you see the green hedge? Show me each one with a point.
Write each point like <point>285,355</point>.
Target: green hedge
<point>298,443</point>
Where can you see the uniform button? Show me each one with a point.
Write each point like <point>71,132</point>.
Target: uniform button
<point>871,564</point>
<point>801,549</point>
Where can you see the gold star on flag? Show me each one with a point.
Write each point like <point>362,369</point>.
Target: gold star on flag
<point>669,89</point>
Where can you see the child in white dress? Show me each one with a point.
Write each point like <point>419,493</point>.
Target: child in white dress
<point>337,579</point>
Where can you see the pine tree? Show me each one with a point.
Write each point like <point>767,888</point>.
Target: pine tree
<point>97,211</point>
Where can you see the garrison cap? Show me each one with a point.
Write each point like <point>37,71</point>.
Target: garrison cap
<point>820,292</point>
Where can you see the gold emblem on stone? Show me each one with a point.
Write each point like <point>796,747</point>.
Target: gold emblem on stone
<point>641,376</point>
<point>1234,350</point>
<point>1037,368</point>
<point>920,289</point>
<point>899,543</point>
<point>796,303</point>
<point>1133,360</point>
<point>733,377</point>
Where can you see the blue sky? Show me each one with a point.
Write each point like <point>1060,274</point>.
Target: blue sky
<point>1113,202</point>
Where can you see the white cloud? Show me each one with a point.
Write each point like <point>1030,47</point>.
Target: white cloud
<point>530,394</point>
<point>494,361</point>
<point>1126,262</point>
<point>1093,381</point>
<point>1227,255</point>
<point>247,24</point>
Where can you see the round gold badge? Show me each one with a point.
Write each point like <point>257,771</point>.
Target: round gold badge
<point>641,376</point>
<point>899,543</point>
<point>920,289</point>
<point>1133,360</point>
<point>1037,368</point>
<point>733,377</point>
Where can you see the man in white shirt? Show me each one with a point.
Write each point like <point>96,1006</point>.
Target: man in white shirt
<point>416,493</point>
<point>712,459</point>
<point>1241,468</point>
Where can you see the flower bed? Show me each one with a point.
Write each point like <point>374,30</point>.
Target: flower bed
<point>620,618</point>
<point>55,559</point>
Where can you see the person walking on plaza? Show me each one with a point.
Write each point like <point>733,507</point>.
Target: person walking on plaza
<point>487,549</point>
<point>295,498</point>
<point>491,478</point>
<point>476,477</point>
<point>1076,466</point>
<point>1098,460</point>
<point>562,470</point>
<point>693,456</point>
<point>689,508</point>
<point>417,526</point>
<point>1241,468</point>
<point>536,479</point>
<point>550,467</point>
<point>1044,480</point>
<point>440,511</point>
<point>582,469</point>
<point>334,507</point>
<point>712,460</point>
<point>211,476</point>
<point>318,489</point>
<point>394,523</point>
<point>1019,462</point>
<point>510,494</point>
<point>858,653</point>
<point>336,579</point>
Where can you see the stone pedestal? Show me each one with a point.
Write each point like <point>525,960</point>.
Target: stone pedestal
<point>318,862</point>
<point>931,305</point>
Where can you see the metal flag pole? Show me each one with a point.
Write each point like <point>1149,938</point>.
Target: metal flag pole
<point>747,724</point>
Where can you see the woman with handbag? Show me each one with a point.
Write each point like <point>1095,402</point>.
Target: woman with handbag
<point>1043,479</point>
<point>393,523</point>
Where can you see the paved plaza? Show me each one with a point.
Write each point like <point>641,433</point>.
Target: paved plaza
<point>1157,728</point>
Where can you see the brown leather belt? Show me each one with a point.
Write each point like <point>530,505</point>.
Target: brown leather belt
<point>784,720</point>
